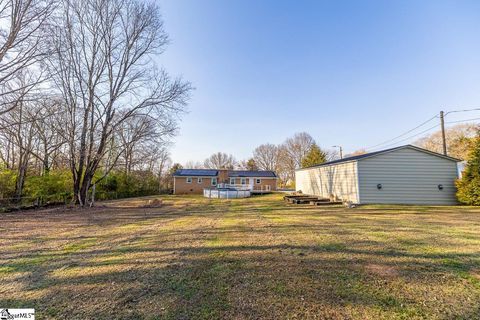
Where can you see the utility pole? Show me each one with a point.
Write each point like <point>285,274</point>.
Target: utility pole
<point>341,151</point>
<point>442,123</point>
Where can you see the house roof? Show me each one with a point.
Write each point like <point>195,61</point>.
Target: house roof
<point>373,154</point>
<point>231,173</point>
<point>196,172</point>
<point>252,173</point>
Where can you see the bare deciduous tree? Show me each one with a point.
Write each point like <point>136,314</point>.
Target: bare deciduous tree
<point>266,156</point>
<point>103,65</point>
<point>194,165</point>
<point>356,153</point>
<point>291,153</point>
<point>47,123</point>
<point>220,160</point>
<point>21,46</point>
<point>19,130</point>
<point>164,163</point>
<point>135,133</point>
<point>297,147</point>
<point>286,167</point>
<point>459,139</point>
<point>247,165</point>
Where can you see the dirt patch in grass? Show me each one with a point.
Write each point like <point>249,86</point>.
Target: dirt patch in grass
<point>475,273</point>
<point>381,270</point>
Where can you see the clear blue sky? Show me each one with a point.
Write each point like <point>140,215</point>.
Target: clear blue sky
<point>353,73</point>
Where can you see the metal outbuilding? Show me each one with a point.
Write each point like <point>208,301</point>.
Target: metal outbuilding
<point>401,175</point>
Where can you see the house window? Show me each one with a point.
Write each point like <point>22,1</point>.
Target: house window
<point>214,181</point>
<point>232,180</point>
<point>259,181</point>
<point>189,179</point>
<point>199,180</point>
<point>243,181</point>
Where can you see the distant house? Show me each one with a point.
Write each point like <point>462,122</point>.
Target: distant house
<point>402,175</point>
<point>194,181</point>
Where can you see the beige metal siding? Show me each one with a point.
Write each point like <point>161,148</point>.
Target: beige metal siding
<point>339,180</point>
<point>408,176</point>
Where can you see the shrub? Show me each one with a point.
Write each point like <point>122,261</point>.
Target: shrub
<point>7,182</point>
<point>119,184</point>
<point>57,184</point>
<point>469,185</point>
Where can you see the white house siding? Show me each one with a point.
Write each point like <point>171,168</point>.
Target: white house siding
<point>408,176</point>
<point>339,180</point>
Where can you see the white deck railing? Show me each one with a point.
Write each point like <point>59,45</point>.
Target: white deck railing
<point>245,187</point>
<point>235,186</point>
<point>240,186</point>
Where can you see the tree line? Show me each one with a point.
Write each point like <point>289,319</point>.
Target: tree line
<point>297,151</point>
<point>459,138</point>
<point>82,96</point>
<point>301,150</point>
<point>84,105</point>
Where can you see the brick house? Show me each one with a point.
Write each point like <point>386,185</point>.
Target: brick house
<point>193,181</point>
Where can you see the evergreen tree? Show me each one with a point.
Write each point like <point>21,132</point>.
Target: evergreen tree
<point>174,168</point>
<point>469,185</point>
<point>251,165</point>
<point>314,156</point>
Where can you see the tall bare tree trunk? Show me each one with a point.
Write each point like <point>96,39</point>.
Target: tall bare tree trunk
<point>104,53</point>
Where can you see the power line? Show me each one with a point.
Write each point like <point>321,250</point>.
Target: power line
<point>387,142</point>
<point>425,131</point>
<point>410,137</point>
<point>403,134</point>
<point>442,122</point>
<point>465,110</point>
<point>464,120</point>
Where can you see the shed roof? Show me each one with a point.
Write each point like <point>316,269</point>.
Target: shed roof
<point>373,154</point>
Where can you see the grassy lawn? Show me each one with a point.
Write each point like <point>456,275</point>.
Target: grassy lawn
<point>255,258</point>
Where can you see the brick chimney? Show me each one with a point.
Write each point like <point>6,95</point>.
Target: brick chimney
<point>223,176</point>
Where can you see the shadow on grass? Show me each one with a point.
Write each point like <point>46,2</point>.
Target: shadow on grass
<point>205,282</point>
<point>210,271</point>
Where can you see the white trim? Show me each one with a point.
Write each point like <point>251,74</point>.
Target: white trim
<point>199,180</point>
<point>188,178</point>
<point>216,181</point>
